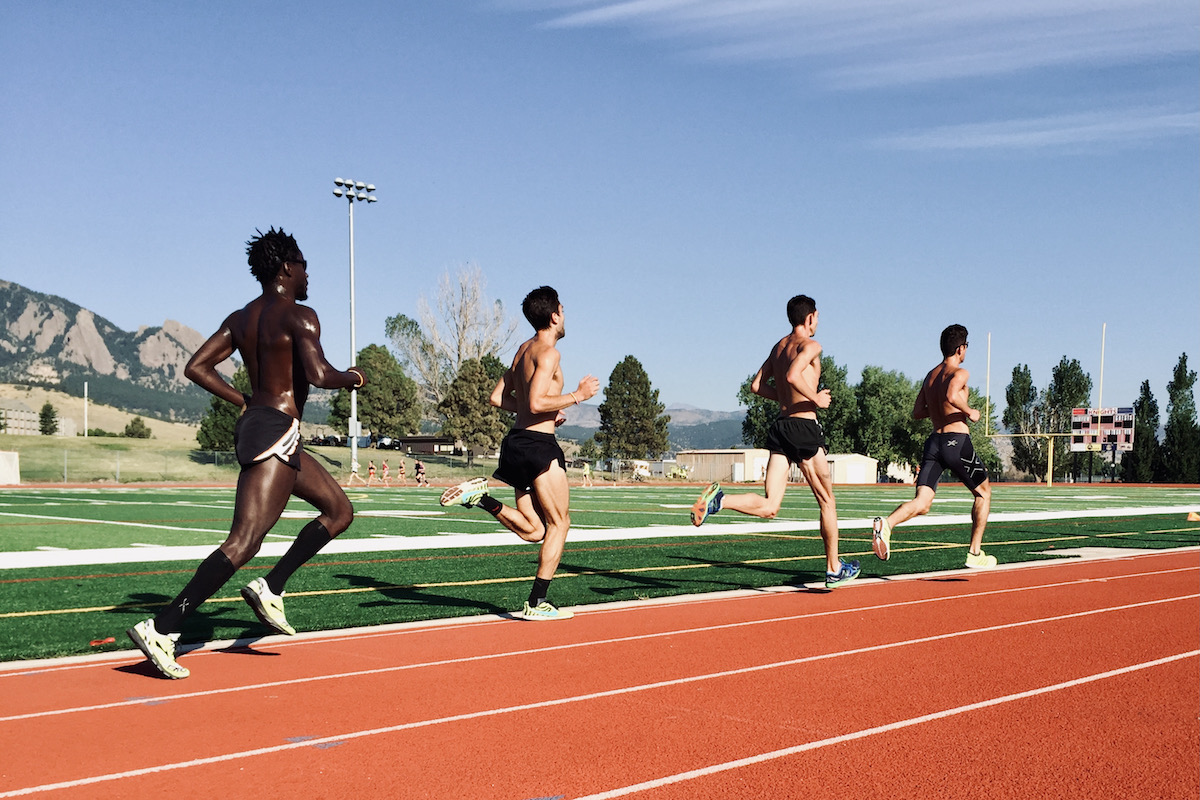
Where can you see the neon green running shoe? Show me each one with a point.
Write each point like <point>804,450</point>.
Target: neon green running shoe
<point>707,504</point>
<point>467,493</point>
<point>267,605</point>
<point>158,647</point>
<point>847,571</point>
<point>980,560</point>
<point>543,611</point>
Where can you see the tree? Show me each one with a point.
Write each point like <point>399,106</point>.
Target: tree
<point>1070,387</point>
<point>387,405</point>
<point>465,326</point>
<point>632,424</point>
<point>470,416</point>
<point>1181,435</point>
<point>48,420</point>
<point>837,421</point>
<point>216,427</point>
<point>1141,464</point>
<point>1023,415</point>
<point>588,450</point>
<point>137,429</point>
<point>884,428</point>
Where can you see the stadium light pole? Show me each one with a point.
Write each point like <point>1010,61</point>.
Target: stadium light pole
<point>363,192</point>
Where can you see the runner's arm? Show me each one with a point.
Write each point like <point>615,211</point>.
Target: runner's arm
<point>541,401</point>
<point>921,405</point>
<point>761,385</point>
<point>502,394</point>
<point>201,369</point>
<point>306,335</point>
<point>959,397</point>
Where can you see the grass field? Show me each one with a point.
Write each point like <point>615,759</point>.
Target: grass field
<point>81,565</point>
<point>117,460</point>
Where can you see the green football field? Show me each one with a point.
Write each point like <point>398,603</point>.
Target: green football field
<point>79,566</point>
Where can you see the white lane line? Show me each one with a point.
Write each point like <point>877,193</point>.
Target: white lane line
<point>342,544</point>
<point>111,522</point>
<point>341,738</point>
<point>891,726</point>
<point>155,700</point>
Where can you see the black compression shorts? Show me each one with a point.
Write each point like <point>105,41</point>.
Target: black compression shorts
<point>263,432</point>
<point>798,438</point>
<point>952,451</point>
<point>524,455</point>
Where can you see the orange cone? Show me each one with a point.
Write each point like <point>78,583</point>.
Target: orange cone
<point>1193,516</point>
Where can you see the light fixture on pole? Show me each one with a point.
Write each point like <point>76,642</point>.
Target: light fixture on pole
<point>353,190</point>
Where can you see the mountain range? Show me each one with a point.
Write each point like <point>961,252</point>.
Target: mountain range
<point>49,341</point>
<point>690,428</point>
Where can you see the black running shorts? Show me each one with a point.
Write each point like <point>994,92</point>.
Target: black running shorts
<point>798,438</point>
<point>524,455</point>
<point>264,432</point>
<point>954,452</point>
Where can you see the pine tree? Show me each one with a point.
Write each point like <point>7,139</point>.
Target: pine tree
<point>632,423</point>
<point>1142,463</point>
<point>1023,414</point>
<point>1181,435</point>
<point>1070,388</point>
<point>48,420</point>
<point>470,416</point>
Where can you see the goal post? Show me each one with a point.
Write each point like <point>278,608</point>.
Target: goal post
<point>1049,450</point>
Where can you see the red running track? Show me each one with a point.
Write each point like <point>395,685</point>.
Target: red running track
<point>1070,679</point>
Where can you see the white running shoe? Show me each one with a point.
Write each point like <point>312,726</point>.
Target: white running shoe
<point>544,611</point>
<point>267,605</point>
<point>158,647</point>
<point>467,493</point>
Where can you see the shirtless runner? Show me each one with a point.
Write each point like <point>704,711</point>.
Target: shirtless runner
<point>279,341</point>
<point>943,398</point>
<point>531,460</point>
<point>791,376</point>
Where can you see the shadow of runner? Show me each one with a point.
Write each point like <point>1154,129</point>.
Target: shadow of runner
<point>397,595</point>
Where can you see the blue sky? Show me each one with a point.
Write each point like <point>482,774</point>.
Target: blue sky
<point>676,168</point>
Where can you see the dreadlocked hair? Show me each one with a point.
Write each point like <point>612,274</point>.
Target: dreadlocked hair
<point>266,253</point>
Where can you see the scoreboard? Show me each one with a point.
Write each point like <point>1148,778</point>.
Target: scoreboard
<point>1101,429</point>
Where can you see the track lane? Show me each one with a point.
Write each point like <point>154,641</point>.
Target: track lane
<point>698,713</point>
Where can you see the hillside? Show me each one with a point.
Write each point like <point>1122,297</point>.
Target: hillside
<point>52,342</point>
<point>100,415</point>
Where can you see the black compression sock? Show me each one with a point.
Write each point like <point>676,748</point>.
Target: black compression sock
<point>210,576</point>
<point>311,539</point>
<point>537,595</point>
<point>490,504</point>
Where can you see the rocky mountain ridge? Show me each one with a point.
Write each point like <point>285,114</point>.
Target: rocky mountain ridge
<point>50,341</point>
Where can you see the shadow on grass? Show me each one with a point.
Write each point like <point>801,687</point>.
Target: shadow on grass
<point>393,595</point>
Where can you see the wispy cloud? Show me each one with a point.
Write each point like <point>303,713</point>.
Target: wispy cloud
<point>1066,131</point>
<point>869,43</point>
